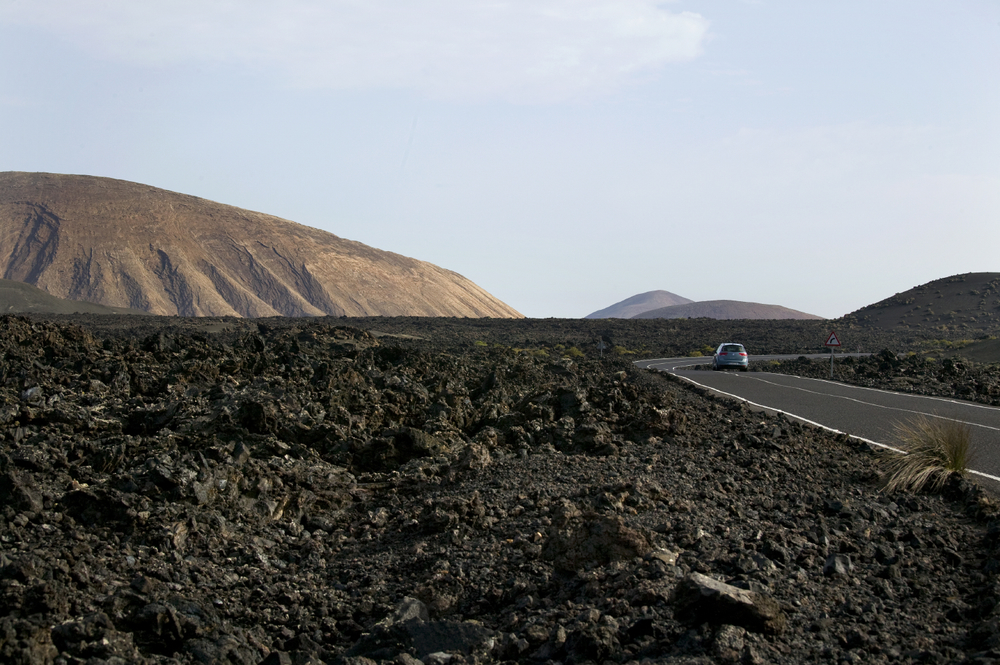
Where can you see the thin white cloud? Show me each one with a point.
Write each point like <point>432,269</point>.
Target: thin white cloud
<point>531,50</point>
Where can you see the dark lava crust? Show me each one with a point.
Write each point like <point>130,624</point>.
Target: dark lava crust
<point>296,491</point>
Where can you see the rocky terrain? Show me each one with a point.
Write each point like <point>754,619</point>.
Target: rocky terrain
<point>127,245</point>
<point>448,491</point>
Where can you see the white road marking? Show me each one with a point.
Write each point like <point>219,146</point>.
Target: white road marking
<point>880,406</point>
<point>830,429</point>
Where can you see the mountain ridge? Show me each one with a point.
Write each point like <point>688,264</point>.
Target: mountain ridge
<point>124,244</point>
<point>725,310</point>
<point>642,302</point>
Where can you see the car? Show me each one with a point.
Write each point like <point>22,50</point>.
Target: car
<point>730,354</point>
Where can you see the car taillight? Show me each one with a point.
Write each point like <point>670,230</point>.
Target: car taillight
<point>742,354</point>
<point>723,353</point>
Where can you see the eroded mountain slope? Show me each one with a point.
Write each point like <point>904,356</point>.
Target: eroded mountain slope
<point>123,244</point>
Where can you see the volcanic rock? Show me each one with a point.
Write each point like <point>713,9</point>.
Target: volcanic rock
<point>705,599</point>
<point>301,491</point>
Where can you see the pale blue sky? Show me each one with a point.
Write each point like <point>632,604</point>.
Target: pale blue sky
<point>562,154</point>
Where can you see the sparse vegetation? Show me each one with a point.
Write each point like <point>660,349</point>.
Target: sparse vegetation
<point>573,352</point>
<point>946,343</point>
<point>935,448</point>
<point>703,351</point>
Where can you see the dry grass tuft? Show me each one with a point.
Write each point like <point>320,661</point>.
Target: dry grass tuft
<point>935,448</point>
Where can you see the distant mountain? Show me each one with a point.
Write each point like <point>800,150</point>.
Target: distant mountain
<point>628,308</point>
<point>123,244</point>
<point>961,302</point>
<point>21,298</point>
<point>725,309</point>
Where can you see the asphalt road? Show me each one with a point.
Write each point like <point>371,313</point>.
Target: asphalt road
<point>864,413</point>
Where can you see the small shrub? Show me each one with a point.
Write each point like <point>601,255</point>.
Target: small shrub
<point>574,352</point>
<point>695,354</point>
<point>622,351</point>
<point>935,448</point>
<point>480,342</point>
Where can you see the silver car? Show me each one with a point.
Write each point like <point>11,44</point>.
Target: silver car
<point>730,354</point>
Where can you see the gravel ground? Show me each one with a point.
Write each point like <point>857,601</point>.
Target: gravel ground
<point>301,491</point>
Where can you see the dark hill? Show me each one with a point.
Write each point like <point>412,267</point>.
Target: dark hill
<point>969,302</point>
<point>21,298</point>
<point>123,244</point>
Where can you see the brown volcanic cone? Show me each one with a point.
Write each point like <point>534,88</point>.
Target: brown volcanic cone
<point>124,244</point>
<point>725,309</point>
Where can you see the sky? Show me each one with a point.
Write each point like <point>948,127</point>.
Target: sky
<point>564,155</point>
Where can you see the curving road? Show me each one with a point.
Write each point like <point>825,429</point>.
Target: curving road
<point>864,413</point>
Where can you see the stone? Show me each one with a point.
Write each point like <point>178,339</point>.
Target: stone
<point>593,540</point>
<point>838,565</point>
<point>728,643</point>
<point>700,598</point>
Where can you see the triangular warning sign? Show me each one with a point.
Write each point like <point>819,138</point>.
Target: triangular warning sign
<point>832,339</point>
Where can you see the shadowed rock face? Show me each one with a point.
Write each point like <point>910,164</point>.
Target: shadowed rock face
<point>124,244</point>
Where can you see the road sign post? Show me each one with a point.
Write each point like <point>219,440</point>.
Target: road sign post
<point>832,341</point>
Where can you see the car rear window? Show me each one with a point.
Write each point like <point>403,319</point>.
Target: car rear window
<point>732,348</point>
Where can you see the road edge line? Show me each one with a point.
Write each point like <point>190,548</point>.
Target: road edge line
<point>810,422</point>
<point>800,419</point>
